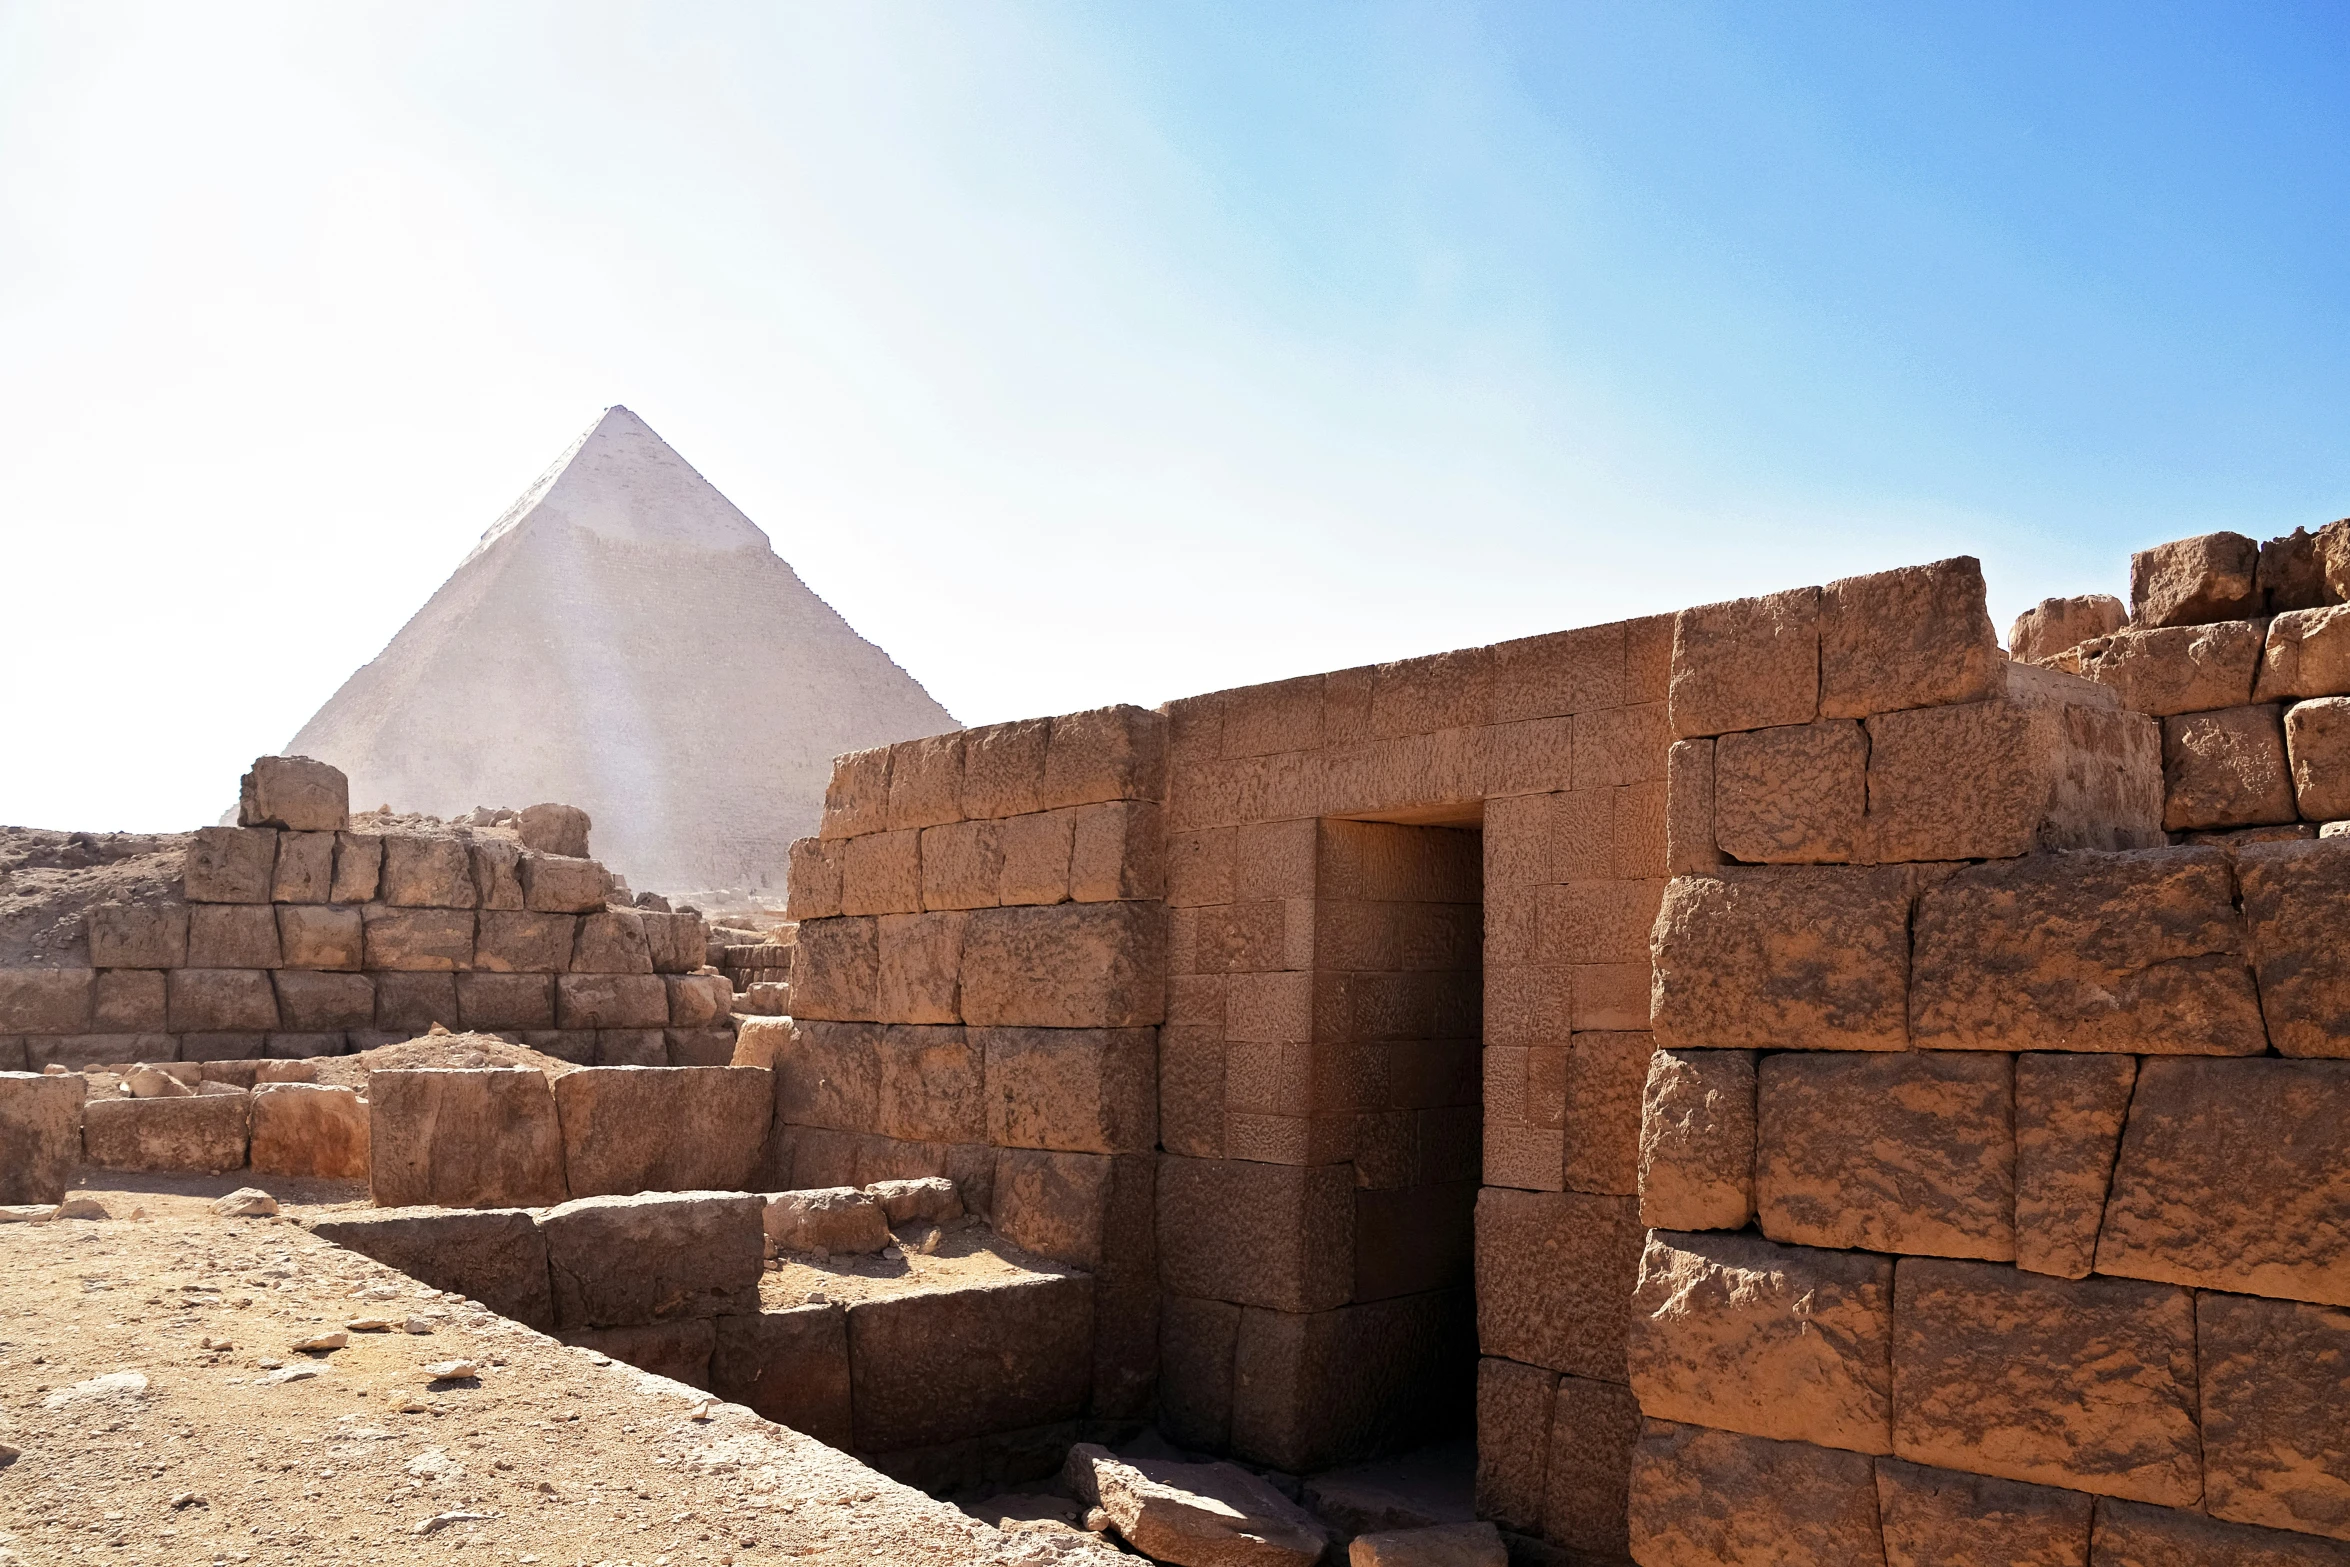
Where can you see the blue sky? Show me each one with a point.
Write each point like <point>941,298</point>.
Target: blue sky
<point>1097,352</point>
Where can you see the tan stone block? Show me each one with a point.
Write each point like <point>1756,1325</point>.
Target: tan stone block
<point>1792,796</point>
<point>2234,1175</point>
<point>205,1133</point>
<point>1003,768</point>
<point>1277,1236</point>
<point>1697,1140</point>
<point>1269,1009</point>
<point>2094,1387</point>
<point>1036,850</point>
<point>492,1002</point>
<point>2317,746</point>
<point>1609,996</point>
<point>232,935</point>
<point>791,1367</point>
<point>2276,1412</point>
<point>962,863</point>
<point>1116,851</point>
<point>2058,625</point>
<point>628,1129</point>
<point>552,884</point>
<point>1746,664</point>
<point>2292,574</point>
<point>1088,965</point>
<point>40,1135</point>
<point>831,1077</point>
<point>1913,1152</point>
<point>2188,582</point>
<point>914,1383</point>
<point>2038,770</point>
<point>920,967</point>
<point>1288,1139</point>
<point>1703,1498</point>
<point>1284,715</point>
<point>309,1129</point>
<point>424,871</point>
<point>464,1138</point>
<point>856,799</point>
<point>621,1261</point>
<point>1200,866</point>
<point>1933,1516</point>
<point>1574,671</point>
<point>1069,1206</point>
<point>2130,1534</point>
<point>603,1001</point>
<point>1075,1090</point>
<point>680,1351</point>
<point>931,1086</point>
<point>1604,1076</point>
<point>138,936</point>
<point>1915,636</point>
<point>637,1047</point>
<point>2140,951</point>
<point>1516,841</point>
<point>409,1004</point>
<point>1106,753</point>
<point>1732,1332</point>
<point>294,792</point>
<point>554,829</point>
<point>497,872</point>
<point>129,1001</point>
<point>1555,1272</point>
<point>318,936</point>
<point>231,864</point>
<point>309,1001</point>
<point>418,940</point>
<point>2173,669</point>
<point>1640,831</point>
<point>1514,1407</point>
<point>813,880</point>
<point>1191,1089</point>
<point>1621,745</point>
<point>2307,654</point>
<point>1596,921</point>
<point>2226,769</point>
<point>698,1001</point>
<point>1438,691</point>
<point>925,782</point>
<point>1807,959</point>
<point>2296,896</point>
<point>2068,1121</point>
<point>1538,754</point>
<point>359,858</point>
<point>881,873</point>
<point>305,868</point>
<point>1648,657</point>
<point>836,969</point>
<point>1545,1101</point>
<point>1587,1490</point>
<point>1238,937</point>
<point>518,943</point>
<point>206,1000</point>
<point>1311,1389</point>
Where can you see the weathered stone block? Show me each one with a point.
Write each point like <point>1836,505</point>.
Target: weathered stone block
<point>2296,896</point>
<point>305,870</point>
<point>138,936</point>
<point>309,1129</point>
<point>233,935</point>
<point>2068,1120</point>
<point>2093,1387</point>
<point>2133,952</point>
<point>1090,1211</point>
<point>203,1132</point>
<point>611,1001</point>
<point>669,1129</point>
<point>48,1000</point>
<point>856,800</point>
<point>2276,1412</point>
<point>1076,1090</point>
<point>1312,1389</point>
<point>2225,769</point>
<point>1690,844</point>
<point>314,936</point>
<point>1796,795</point>
<point>617,1261</point>
<point>1116,850</point>
<point>310,1002</point>
<point>418,940</point>
<point>294,792</point>
<point>203,1000</point>
<point>1697,1140</point>
<point>2317,747</point>
<point>1586,1494</point>
<point>612,942</point>
<point>920,975</point>
<point>359,858</point>
<point>2292,573</point>
<point>1703,1498</point>
<point>1746,664</point>
<point>412,1003</point>
<point>2235,1175</point>
<point>2307,655</point>
<point>1799,959</point>
<point>1098,965</point>
<point>40,1135</point>
<point>1915,636</point>
<point>1514,1408</point>
<point>698,1000</point>
<point>2130,1534</point>
<point>2056,625</point>
<point>2173,669</point>
<point>1196,1343</point>
<point>1735,1333</point>
<point>915,1382</point>
<point>1555,1274</point>
<point>679,1350</point>
<point>700,1046</point>
<point>631,1047</point>
<point>1278,1236</point>
<point>931,1085</point>
<point>497,872</point>
<point>1604,1078</point>
<point>1105,753</point>
<point>2213,576</point>
<point>426,871</point>
<point>1035,850</point>
<point>829,1218</point>
<point>814,878</point>
<point>791,1367</point>
<point>836,970</point>
<point>962,864</point>
<point>830,1076</point>
<point>881,873</point>
<point>231,864</point>
<point>558,884</point>
<point>1934,1516</point>
<point>129,1001</point>
<point>495,1256</point>
<point>925,782</point>
<point>1003,768</point>
<point>482,1137</point>
<point>514,943</point>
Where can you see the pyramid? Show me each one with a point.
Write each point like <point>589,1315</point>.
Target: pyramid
<point>624,639</point>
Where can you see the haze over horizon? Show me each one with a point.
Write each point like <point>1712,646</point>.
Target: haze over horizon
<point>1090,354</point>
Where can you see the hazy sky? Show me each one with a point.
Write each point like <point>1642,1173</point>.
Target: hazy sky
<point>1082,353</point>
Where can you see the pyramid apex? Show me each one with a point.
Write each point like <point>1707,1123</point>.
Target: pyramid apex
<point>620,480</point>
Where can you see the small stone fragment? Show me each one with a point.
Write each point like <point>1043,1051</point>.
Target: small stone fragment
<point>451,1370</point>
<point>1445,1545</point>
<point>82,1208</point>
<point>320,1342</point>
<point>1203,1515</point>
<point>246,1202</point>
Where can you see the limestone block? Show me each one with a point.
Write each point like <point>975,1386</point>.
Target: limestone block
<point>312,936</point>
<point>129,1001</point>
<point>231,864</point>
<point>2140,951</point>
<point>679,1351</point>
<point>1604,1078</point>
<point>1613,747</point>
<point>1746,664</point>
<point>881,873</point>
<point>669,1129</point>
<point>931,1086</point>
<point>1805,959</point>
<point>814,878</point>
<point>1179,1512</point>
<point>2295,897</point>
<point>427,871</point>
<point>1587,1491</point>
<point>495,1255</point>
<point>698,1000</point>
<point>555,829</point>
<point>914,1381</point>
<point>47,1000</point>
<point>836,969</point>
<point>927,1199</point>
<point>305,868</point>
<point>2068,1122</point>
<point>138,936</point>
<point>653,1257</point>
<point>962,864</point>
<point>920,974</point>
<point>1116,850</point>
<point>2058,625</point>
<point>830,1076</point>
<point>12,1053</point>
<point>1555,1274</point>
<point>418,940</point>
<point>2234,1175</point>
<point>856,800</point>
<point>204,1132</point>
<point>611,1001</point>
<point>40,1135</point>
<point>1697,1140</point>
<point>233,935</point>
<point>2276,1412</point>
<point>309,1129</point>
<point>1074,1090</point>
<point>2046,767</point>
<point>680,941</point>
<point>925,782</point>
<point>1035,851</point>
<point>412,1003</point>
<point>1732,1332</point>
<point>1514,1408</point>
<point>2130,1534</point>
<point>310,1002</point>
<point>2225,769</point>
<point>294,792</point>
<point>612,942</point>
<point>1433,1545</point>
<point>1003,768</point>
<point>2307,654</point>
<point>2173,669</point>
<point>290,1046</point>
<point>639,1047</point>
<point>1311,1389</point>
<point>1690,844</point>
<point>1933,1516</point>
<point>1090,1211</point>
<point>1191,1089</point>
<point>700,1046</point>
<point>1097,965</point>
<point>359,859</point>
<point>496,865</point>
<point>202,1000</point>
<point>791,1367</point>
<point>501,1002</point>
<point>2191,581</point>
<point>514,943</point>
<point>1277,1236</point>
<point>2086,1384</point>
<point>1703,1498</point>
<point>1796,795</point>
<point>475,1137</point>
<point>2292,574</point>
<point>1915,636</point>
<point>555,884</point>
<point>2317,746</point>
<point>1105,753</point>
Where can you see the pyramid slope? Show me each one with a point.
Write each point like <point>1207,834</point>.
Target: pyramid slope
<point>625,639</point>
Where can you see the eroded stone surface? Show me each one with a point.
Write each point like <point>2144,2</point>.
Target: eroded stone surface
<point>2296,904</point>
<point>2213,576</point>
<point>1915,636</point>
<point>309,1129</point>
<point>2276,1412</point>
<point>1746,664</point>
<point>493,1255</point>
<point>2225,769</point>
<point>2068,1121</point>
<point>826,1218</point>
<point>205,1132</point>
<point>2053,625</point>
<point>2174,669</point>
<point>1704,1498</point>
<point>1697,1140</point>
<point>617,1261</point>
<point>663,1129</point>
<point>1555,1272</point>
<point>1785,959</point>
<point>1206,1515</point>
<point>2129,1534</point>
<point>1796,795</point>
<point>1937,1516</point>
<point>464,1138</point>
<point>40,1135</point>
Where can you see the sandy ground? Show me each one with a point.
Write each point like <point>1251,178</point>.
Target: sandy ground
<point>547,1454</point>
